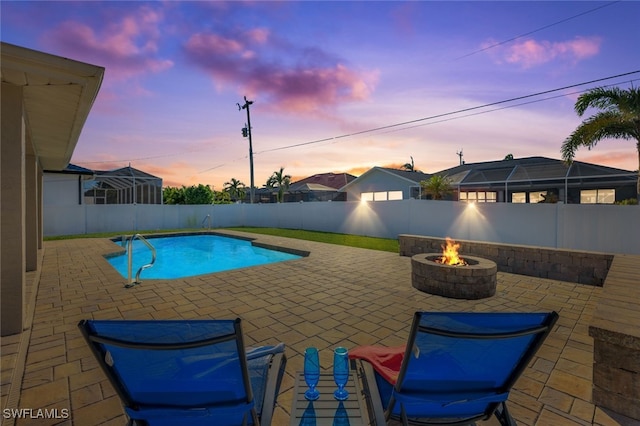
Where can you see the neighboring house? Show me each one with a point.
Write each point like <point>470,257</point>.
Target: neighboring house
<point>521,180</point>
<point>381,184</point>
<point>526,180</point>
<point>319,187</point>
<point>332,180</point>
<point>126,185</point>
<point>65,187</point>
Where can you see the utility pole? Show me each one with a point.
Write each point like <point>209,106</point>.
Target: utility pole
<point>247,131</point>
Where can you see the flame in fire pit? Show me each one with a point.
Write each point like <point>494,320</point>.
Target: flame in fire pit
<point>450,254</point>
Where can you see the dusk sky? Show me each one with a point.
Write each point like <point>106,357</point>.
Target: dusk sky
<point>324,75</point>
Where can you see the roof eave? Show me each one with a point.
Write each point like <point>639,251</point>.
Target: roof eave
<point>58,94</point>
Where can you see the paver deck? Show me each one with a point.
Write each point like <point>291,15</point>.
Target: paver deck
<point>338,296</point>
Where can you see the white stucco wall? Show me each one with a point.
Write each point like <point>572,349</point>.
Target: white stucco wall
<point>60,189</point>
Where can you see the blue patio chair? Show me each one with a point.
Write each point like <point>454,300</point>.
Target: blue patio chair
<point>187,372</point>
<point>458,368</point>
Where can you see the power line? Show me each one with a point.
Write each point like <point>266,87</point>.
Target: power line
<point>536,30</point>
<point>404,123</point>
<point>501,108</point>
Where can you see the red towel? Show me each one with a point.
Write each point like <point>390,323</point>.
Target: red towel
<point>386,361</point>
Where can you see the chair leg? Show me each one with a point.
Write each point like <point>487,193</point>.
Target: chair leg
<point>274,380</point>
<point>403,415</point>
<point>503,415</point>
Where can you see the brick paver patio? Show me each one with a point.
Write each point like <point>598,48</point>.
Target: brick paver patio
<point>336,296</point>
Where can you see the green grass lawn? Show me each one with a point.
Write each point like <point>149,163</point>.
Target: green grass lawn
<point>383,244</point>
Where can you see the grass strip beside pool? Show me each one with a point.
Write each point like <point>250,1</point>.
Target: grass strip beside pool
<point>373,243</point>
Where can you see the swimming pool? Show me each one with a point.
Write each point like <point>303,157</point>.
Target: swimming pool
<point>190,255</point>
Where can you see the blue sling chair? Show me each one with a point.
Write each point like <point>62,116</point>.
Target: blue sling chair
<point>187,372</point>
<point>458,368</point>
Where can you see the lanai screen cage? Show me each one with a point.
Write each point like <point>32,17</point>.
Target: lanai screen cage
<point>124,186</point>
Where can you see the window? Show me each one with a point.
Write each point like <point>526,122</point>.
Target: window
<point>480,197</point>
<point>395,195</point>
<point>598,196</point>
<point>519,197</point>
<point>536,197</point>
<point>381,196</point>
<point>366,196</point>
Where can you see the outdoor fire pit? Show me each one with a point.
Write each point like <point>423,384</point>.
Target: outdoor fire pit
<point>446,274</point>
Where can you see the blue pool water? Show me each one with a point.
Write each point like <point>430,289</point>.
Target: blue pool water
<point>187,256</point>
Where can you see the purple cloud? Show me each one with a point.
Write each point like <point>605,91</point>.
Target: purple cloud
<point>126,47</point>
<point>530,53</point>
<point>311,83</point>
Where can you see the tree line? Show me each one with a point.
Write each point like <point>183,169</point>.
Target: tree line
<point>234,191</point>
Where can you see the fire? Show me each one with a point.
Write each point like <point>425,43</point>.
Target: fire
<point>450,254</point>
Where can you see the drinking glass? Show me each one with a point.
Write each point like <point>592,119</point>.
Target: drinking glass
<point>311,373</point>
<point>341,372</point>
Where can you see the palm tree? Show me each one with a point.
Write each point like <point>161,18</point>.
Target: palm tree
<point>409,166</point>
<point>438,186</point>
<point>619,118</point>
<point>281,181</point>
<point>235,189</point>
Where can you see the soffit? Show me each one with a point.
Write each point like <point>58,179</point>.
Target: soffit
<point>58,94</point>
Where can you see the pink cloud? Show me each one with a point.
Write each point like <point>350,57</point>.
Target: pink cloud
<point>126,47</point>
<point>530,53</point>
<point>213,44</point>
<point>621,160</point>
<point>311,83</point>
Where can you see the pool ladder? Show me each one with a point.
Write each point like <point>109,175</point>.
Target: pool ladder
<point>129,246</point>
<point>207,219</point>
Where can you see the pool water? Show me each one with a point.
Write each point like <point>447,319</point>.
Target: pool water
<point>190,255</point>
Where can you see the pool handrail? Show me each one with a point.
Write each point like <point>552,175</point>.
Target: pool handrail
<point>207,219</point>
<point>129,244</point>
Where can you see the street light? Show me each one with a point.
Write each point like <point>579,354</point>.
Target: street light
<point>246,131</point>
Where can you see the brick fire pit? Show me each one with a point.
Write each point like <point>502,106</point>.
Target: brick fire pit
<point>476,280</point>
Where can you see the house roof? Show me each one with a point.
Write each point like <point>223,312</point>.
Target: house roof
<point>308,187</point>
<point>414,177</point>
<point>331,180</point>
<point>58,94</point>
<point>73,169</point>
<point>530,169</point>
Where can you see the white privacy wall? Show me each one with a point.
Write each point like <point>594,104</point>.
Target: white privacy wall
<point>604,228</point>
